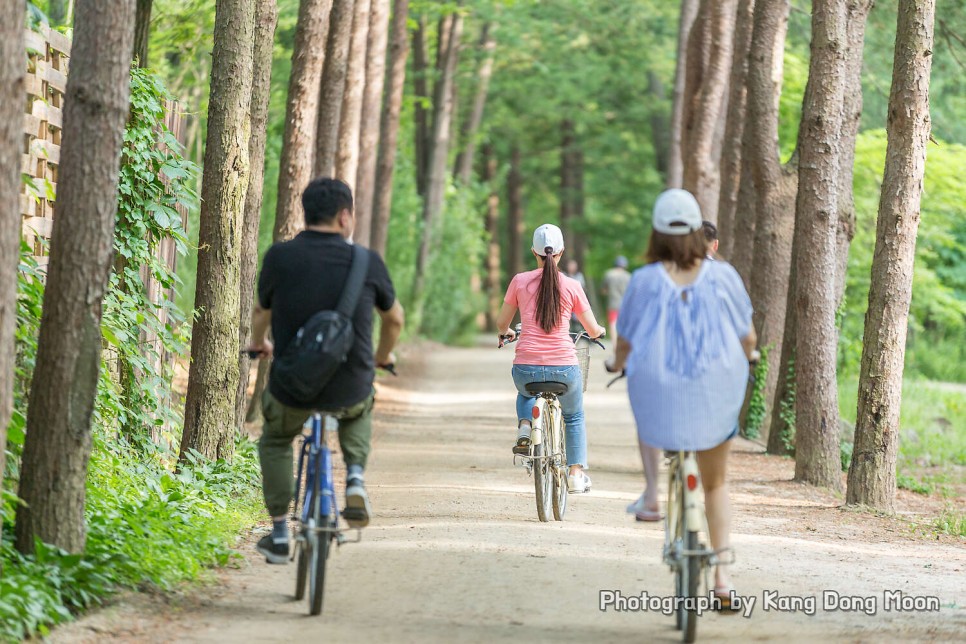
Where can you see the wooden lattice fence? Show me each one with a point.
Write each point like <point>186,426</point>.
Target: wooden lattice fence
<point>48,54</point>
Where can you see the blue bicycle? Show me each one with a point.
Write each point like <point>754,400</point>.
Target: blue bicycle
<point>316,511</point>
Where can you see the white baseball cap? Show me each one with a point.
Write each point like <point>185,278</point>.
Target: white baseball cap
<point>676,212</point>
<point>547,236</point>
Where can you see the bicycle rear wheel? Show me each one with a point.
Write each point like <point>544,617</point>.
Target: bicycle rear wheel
<point>301,568</point>
<point>674,529</point>
<point>693,565</point>
<point>318,554</point>
<point>559,470</point>
<point>542,481</point>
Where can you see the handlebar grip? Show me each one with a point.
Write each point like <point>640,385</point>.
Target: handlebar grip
<point>390,368</point>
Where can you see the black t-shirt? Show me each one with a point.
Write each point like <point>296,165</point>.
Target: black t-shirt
<point>306,275</point>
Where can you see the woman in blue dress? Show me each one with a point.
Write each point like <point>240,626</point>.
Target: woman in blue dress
<point>685,338</point>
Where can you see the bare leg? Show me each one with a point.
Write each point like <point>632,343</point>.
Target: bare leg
<point>713,465</point>
<point>651,458</point>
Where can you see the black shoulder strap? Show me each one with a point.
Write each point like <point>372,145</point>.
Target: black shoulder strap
<point>358,269</point>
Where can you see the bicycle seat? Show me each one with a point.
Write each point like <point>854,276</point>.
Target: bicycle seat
<point>556,388</point>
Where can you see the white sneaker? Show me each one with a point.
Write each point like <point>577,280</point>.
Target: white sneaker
<point>578,483</point>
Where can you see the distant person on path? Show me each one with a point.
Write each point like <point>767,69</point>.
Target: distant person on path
<point>300,278</point>
<point>685,338</point>
<point>545,353</point>
<point>614,286</point>
<point>711,238</point>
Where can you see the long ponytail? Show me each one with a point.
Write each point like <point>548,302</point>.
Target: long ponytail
<point>548,299</point>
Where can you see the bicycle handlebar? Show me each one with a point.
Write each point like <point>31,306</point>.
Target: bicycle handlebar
<point>509,339</point>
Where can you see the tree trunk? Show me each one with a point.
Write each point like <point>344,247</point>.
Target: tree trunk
<point>332,88</point>
<point>782,425</point>
<point>371,121</point>
<point>817,458</point>
<point>675,166</point>
<point>421,111</point>
<point>580,241</point>
<point>389,127</point>
<point>494,295</point>
<point>741,251</point>
<point>872,474</point>
<point>266,17</point>
<point>567,182</point>
<point>142,32</point>
<point>731,165</point>
<point>514,184</point>
<point>438,155</point>
<point>774,187</point>
<point>57,12</point>
<point>214,335</point>
<point>301,114</point>
<point>858,13</point>
<point>12,74</point>
<point>660,128</point>
<point>701,172</point>
<point>58,443</point>
<point>464,165</point>
<point>350,119</point>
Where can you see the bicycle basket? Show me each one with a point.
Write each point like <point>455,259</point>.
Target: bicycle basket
<point>583,359</point>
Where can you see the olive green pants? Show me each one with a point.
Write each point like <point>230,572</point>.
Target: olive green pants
<point>283,424</point>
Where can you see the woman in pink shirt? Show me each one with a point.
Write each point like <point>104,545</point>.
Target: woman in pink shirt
<point>546,299</point>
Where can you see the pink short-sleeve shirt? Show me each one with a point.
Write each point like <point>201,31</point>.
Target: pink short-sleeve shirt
<point>535,346</point>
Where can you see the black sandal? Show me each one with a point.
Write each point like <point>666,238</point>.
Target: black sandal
<point>522,448</point>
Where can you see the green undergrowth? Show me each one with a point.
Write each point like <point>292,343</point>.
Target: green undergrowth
<point>148,527</point>
<point>932,437</point>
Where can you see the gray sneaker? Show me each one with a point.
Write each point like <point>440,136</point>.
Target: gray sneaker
<point>357,510</point>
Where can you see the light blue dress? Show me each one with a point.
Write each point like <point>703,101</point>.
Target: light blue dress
<point>687,371</point>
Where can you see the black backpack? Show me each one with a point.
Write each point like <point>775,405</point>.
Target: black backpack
<point>322,345</point>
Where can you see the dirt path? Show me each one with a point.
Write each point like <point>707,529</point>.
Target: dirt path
<point>456,552</point>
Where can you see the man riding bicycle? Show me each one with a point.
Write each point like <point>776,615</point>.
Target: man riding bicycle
<point>300,278</point>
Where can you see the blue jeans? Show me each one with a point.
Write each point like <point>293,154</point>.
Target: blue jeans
<point>572,403</point>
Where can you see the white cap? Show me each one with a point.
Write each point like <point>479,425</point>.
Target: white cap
<point>676,212</point>
<point>546,236</point>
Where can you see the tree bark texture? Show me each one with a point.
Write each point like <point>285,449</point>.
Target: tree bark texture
<point>782,426</point>
<point>421,109</point>
<point>61,406</point>
<point>675,166</point>
<point>214,335</point>
<point>817,458</point>
<point>660,127</point>
<point>567,182</point>
<point>872,474</point>
<point>858,13</point>
<point>773,186</point>
<point>580,239</point>
<point>266,17</point>
<point>389,127</point>
<point>514,184</point>
<point>350,119</point>
<point>701,171</point>
<point>57,12</point>
<point>438,156</point>
<point>370,131</point>
<point>12,73</point>
<point>471,128</point>
<point>494,294</point>
<point>731,157</point>
<point>142,32</point>
<point>333,87</point>
<point>295,162</point>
